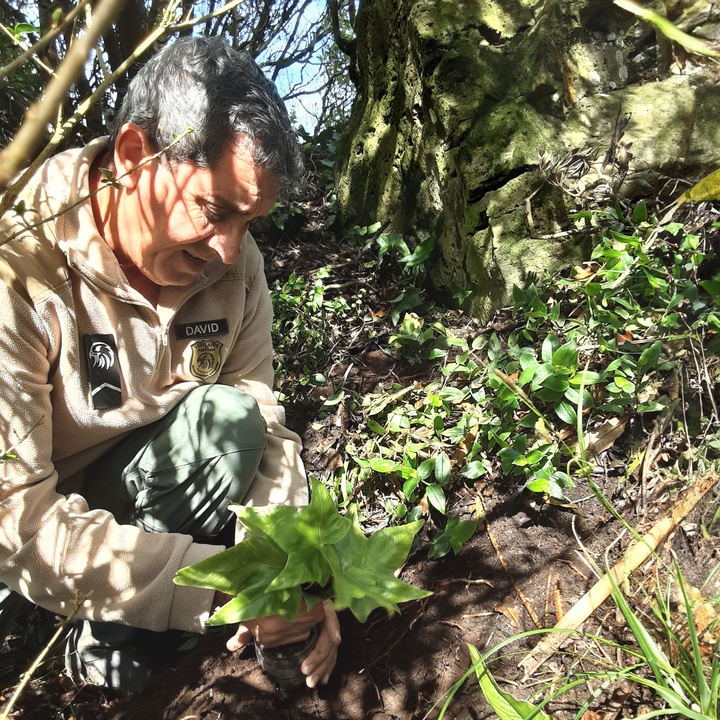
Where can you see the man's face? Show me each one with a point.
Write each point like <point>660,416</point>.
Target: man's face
<point>184,217</point>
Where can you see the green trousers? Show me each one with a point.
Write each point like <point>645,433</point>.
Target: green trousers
<point>179,473</point>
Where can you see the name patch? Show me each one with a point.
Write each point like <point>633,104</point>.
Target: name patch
<point>204,328</point>
<point>103,371</point>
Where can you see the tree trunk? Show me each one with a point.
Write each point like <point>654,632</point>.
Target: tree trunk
<point>471,113</point>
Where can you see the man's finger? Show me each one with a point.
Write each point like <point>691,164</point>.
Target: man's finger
<point>242,637</point>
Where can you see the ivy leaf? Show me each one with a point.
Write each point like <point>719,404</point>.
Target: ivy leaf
<point>364,569</point>
<point>252,561</point>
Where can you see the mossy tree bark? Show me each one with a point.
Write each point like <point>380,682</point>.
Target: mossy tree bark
<point>463,105</point>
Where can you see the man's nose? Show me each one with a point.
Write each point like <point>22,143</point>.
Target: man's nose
<point>226,246</point>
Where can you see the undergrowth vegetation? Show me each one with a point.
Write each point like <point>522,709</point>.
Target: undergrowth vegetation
<point>623,345</point>
<point>612,363</point>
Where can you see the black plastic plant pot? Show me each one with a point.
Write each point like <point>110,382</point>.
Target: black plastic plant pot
<point>283,662</point>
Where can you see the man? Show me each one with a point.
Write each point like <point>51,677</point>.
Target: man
<point>136,365</point>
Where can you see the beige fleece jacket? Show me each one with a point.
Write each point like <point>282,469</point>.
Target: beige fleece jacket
<point>61,281</point>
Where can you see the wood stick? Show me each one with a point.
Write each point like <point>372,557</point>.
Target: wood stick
<point>634,556</point>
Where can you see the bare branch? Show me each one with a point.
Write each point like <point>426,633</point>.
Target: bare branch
<point>40,114</point>
<point>166,25</point>
<point>216,13</point>
<point>27,51</point>
<point>345,44</point>
<point>44,41</point>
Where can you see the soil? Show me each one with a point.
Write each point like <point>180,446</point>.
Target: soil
<point>523,569</point>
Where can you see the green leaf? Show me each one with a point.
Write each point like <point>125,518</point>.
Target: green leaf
<point>261,522</point>
<point>375,426</point>
<point>505,706</point>
<point>640,213</point>
<point>305,539</point>
<point>473,470</point>
<point>549,346</point>
<point>649,358</point>
<point>425,468</point>
<point>440,546</point>
<point>436,496</point>
<point>257,561</point>
<point>334,399</point>
<point>420,254</point>
<point>388,241</point>
<point>566,413</point>
<point>24,28</point>
<point>585,377</point>
<point>566,356</point>
<point>363,573</point>
<point>246,571</point>
<point>286,548</point>
<point>707,189</point>
<point>257,602</point>
<point>384,465</point>
<point>409,487</point>
<point>573,396</point>
<point>542,372</point>
<point>558,383</point>
<point>462,532</point>
<point>442,468</point>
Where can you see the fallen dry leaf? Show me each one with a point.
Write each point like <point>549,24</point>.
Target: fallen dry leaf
<point>604,437</point>
<point>509,611</point>
<point>424,504</point>
<point>583,272</point>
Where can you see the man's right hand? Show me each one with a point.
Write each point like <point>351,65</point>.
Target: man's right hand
<point>276,630</point>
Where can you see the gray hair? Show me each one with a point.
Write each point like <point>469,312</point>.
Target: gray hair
<point>203,84</point>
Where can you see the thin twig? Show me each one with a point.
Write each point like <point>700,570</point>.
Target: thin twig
<point>60,133</point>
<point>27,51</point>
<point>40,658</point>
<point>106,183</point>
<point>43,42</point>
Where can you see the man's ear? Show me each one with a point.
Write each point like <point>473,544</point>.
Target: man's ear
<point>132,148</point>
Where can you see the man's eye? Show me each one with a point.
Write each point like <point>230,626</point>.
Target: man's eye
<point>214,215</point>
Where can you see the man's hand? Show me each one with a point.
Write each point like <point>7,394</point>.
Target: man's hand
<point>276,630</point>
<point>318,665</point>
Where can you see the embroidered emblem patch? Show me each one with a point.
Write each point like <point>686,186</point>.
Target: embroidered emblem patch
<point>205,361</point>
<point>103,371</point>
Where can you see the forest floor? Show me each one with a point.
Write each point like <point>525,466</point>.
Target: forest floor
<point>527,565</point>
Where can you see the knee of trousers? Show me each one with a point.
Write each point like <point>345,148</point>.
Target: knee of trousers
<point>226,417</point>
